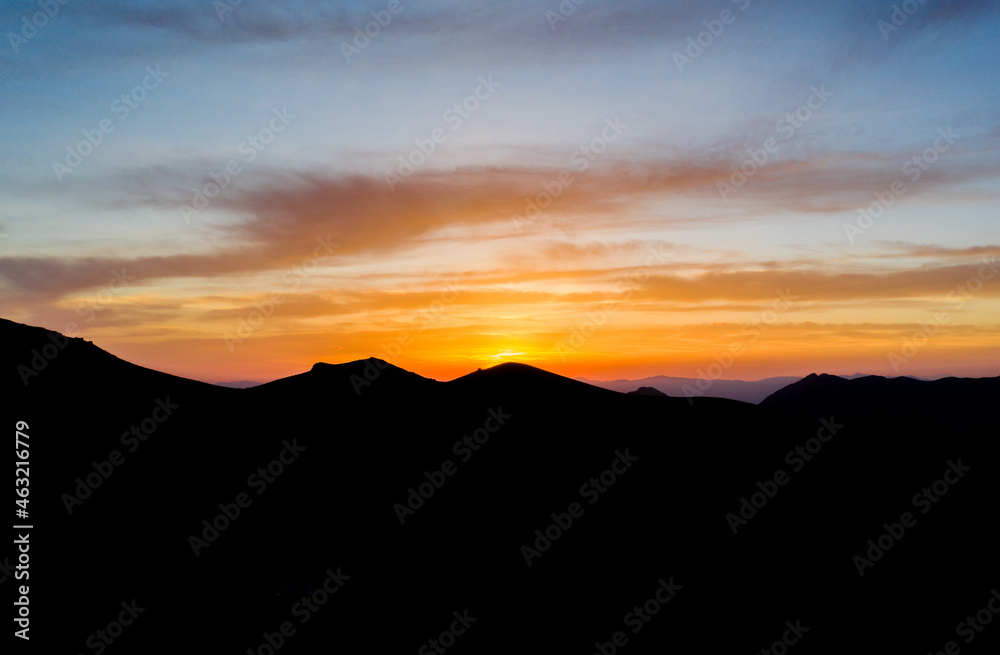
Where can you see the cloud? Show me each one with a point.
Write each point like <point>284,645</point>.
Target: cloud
<point>279,216</point>
<point>936,282</point>
<point>965,12</point>
<point>900,249</point>
<point>483,30</point>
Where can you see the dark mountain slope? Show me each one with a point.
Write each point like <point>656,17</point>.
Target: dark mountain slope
<point>523,445</point>
<point>946,404</point>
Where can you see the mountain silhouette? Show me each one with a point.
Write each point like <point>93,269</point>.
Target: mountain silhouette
<point>748,392</point>
<point>647,391</point>
<point>508,510</point>
<point>946,404</point>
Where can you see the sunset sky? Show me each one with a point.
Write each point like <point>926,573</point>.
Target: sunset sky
<point>238,190</point>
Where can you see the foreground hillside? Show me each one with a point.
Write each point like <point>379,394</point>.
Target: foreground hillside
<point>367,509</point>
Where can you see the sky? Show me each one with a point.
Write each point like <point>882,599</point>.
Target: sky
<point>609,189</point>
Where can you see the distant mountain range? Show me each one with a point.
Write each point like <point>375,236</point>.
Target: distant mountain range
<point>748,392</point>
<point>362,507</point>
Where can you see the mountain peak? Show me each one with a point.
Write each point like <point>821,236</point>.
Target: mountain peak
<point>516,375</point>
<point>648,391</point>
<point>380,364</point>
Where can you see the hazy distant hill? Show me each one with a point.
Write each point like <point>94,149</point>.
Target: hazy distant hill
<point>239,384</point>
<point>615,500</point>
<point>748,392</point>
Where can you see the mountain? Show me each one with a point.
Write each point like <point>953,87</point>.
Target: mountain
<point>748,392</point>
<point>647,391</point>
<point>362,507</point>
<point>943,405</point>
